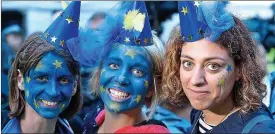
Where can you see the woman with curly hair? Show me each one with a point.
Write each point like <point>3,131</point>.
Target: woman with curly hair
<point>212,61</point>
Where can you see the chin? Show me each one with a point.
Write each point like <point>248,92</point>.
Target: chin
<point>199,105</point>
<point>49,115</point>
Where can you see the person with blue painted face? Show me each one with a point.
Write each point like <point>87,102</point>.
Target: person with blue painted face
<point>44,88</point>
<point>129,63</point>
<point>212,61</point>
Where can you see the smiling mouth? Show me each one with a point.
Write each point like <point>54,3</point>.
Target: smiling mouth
<point>118,95</point>
<point>49,103</point>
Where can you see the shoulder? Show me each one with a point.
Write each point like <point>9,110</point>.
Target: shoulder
<point>150,126</point>
<point>267,126</point>
<point>12,126</point>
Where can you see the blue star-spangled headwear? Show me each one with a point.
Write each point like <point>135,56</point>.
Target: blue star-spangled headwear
<point>129,25</point>
<point>64,27</point>
<point>207,19</point>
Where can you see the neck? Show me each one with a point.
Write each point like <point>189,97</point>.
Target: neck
<point>115,121</point>
<point>32,122</point>
<point>220,112</point>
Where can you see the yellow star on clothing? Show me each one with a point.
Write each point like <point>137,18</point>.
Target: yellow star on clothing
<point>102,71</point>
<point>57,64</point>
<point>146,41</point>
<point>221,82</point>
<point>127,39</point>
<point>102,89</point>
<point>61,43</point>
<point>134,19</point>
<point>69,19</point>
<point>146,83</point>
<point>27,93</point>
<point>138,98</point>
<point>114,106</point>
<point>184,10</point>
<point>130,53</point>
<point>46,35</point>
<point>28,79</point>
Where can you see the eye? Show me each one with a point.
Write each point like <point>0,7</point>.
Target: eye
<point>137,73</point>
<point>187,64</point>
<point>42,78</point>
<point>213,66</point>
<point>114,66</point>
<point>64,80</point>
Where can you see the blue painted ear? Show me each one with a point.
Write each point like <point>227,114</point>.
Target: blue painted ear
<point>207,19</point>
<point>64,27</point>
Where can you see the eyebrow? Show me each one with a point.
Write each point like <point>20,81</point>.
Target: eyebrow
<point>207,59</point>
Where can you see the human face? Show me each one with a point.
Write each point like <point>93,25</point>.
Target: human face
<point>207,74</point>
<point>49,86</point>
<point>86,73</point>
<point>126,76</point>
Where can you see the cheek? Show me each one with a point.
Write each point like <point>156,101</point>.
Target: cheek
<point>184,76</point>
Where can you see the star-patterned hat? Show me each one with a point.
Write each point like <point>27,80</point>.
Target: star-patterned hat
<point>133,25</point>
<point>128,24</point>
<point>207,19</point>
<point>64,27</point>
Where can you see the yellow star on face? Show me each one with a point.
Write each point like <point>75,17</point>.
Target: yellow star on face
<point>36,103</point>
<point>62,106</point>
<point>46,35</point>
<point>57,64</point>
<point>102,89</point>
<point>138,98</point>
<point>146,83</point>
<point>53,39</point>
<point>39,64</point>
<point>146,41</point>
<point>28,79</point>
<point>27,93</point>
<point>102,71</point>
<point>130,53</point>
<point>127,40</point>
<point>69,19</point>
<point>114,106</point>
<point>221,82</point>
<point>184,10</point>
<point>61,43</point>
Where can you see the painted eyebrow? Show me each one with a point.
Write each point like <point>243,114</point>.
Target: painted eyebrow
<point>207,59</point>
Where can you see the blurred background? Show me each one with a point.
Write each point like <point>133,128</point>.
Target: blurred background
<point>19,19</point>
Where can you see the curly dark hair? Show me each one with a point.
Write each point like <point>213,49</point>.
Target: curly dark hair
<point>248,91</point>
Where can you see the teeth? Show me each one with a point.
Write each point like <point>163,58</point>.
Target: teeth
<point>49,103</point>
<point>118,94</point>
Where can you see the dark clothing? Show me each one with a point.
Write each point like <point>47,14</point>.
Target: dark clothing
<point>236,122</point>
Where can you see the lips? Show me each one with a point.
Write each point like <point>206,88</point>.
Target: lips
<point>118,95</point>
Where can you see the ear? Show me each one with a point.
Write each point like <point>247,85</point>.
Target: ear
<point>20,80</point>
<point>75,88</point>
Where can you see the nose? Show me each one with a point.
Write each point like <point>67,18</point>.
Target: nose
<point>122,79</point>
<point>53,90</point>
<point>198,77</point>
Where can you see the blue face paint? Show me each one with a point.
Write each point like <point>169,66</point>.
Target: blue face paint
<point>86,73</point>
<point>126,76</point>
<point>49,86</point>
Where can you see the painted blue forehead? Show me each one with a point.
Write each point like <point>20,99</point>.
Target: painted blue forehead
<point>138,49</point>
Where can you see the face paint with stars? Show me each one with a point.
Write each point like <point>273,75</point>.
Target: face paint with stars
<point>49,85</point>
<point>126,78</point>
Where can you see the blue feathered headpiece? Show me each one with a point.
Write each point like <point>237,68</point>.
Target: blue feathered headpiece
<point>64,27</point>
<point>207,19</point>
<point>128,25</point>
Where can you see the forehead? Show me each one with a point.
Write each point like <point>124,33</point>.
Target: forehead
<point>202,49</point>
<point>122,49</point>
